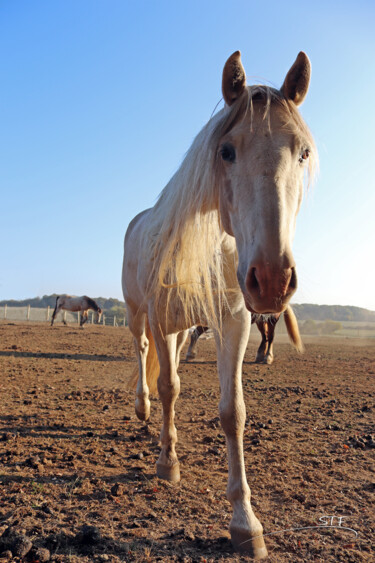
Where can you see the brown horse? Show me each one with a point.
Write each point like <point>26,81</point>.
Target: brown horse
<point>76,304</point>
<point>266,326</point>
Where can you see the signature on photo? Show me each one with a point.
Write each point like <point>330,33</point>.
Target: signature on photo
<point>325,522</point>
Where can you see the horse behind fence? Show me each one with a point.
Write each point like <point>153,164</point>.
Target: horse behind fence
<point>76,304</point>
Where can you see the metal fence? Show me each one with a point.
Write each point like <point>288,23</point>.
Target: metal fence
<point>36,314</point>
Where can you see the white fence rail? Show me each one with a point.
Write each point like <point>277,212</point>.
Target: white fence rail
<point>36,314</point>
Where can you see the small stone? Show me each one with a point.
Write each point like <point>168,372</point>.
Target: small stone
<point>39,555</point>
<point>136,456</point>
<point>89,534</point>
<point>207,440</point>
<point>117,489</point>
<point>33,461</point>
<point>46,509</point>
<point>214,451</point>
<point>21,546</point>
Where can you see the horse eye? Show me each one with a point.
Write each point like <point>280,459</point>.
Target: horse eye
<point>228,153</point>
<point>304,155</point>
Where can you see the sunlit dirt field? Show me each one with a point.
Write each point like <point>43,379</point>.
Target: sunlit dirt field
<point>77,469</point>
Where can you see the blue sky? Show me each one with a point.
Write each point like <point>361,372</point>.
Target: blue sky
<point>99,101</point>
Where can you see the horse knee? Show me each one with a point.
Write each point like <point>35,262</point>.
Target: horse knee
<point>232,417</point>
<point>142,344</point>
<point>169,387</point>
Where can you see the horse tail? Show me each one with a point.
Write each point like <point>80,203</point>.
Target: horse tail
<point>152,366</point>
<point>293,329</point>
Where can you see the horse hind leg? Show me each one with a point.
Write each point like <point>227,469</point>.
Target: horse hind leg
<point>268,359</point>
<point>181,339</point>
<point>193,346</point>
<point>192,350</point>
<point>262,350</point>
<point>83,318</point>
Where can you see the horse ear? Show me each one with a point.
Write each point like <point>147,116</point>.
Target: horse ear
<point>297,80</point>
<point>234,79</point>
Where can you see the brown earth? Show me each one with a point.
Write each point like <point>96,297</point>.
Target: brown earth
<point>78,480</point>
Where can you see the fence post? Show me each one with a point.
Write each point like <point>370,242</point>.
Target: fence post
<point>47,314</point>
<point>64,317</point>
<point>103,320</point>
<point>28,313</point>
<point>5,311</point>
<point>78,317</point>
<point>114,320</point>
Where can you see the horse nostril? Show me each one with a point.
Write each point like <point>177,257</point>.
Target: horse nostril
<point>293,280</point>
<point>252,281</point>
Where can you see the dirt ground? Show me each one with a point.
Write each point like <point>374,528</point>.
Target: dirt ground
<point>77,468</point>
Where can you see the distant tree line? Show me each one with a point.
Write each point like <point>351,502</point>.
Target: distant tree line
<point>341,313</point>
<point>303,312</point>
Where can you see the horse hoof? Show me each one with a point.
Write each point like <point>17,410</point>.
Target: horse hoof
<point>168,472</point>
<point>268,360</point>
<point>189,357</point>
<point>253,546</point>
<point>142,409</point>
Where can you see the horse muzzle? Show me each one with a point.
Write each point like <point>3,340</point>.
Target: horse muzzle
<point>268,289</point>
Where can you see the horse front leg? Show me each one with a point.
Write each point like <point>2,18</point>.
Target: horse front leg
<point>245,529</point>
<point>167,466</point>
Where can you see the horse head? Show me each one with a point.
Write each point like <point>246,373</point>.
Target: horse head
<point>262,159</point>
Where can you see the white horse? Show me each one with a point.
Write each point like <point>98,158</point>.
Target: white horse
<point>82,304</point>
<point>216,247</point>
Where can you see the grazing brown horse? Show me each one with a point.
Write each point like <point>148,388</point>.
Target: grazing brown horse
<point>266,326</point>
<point>216,247</point>
<point>76,304</point>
